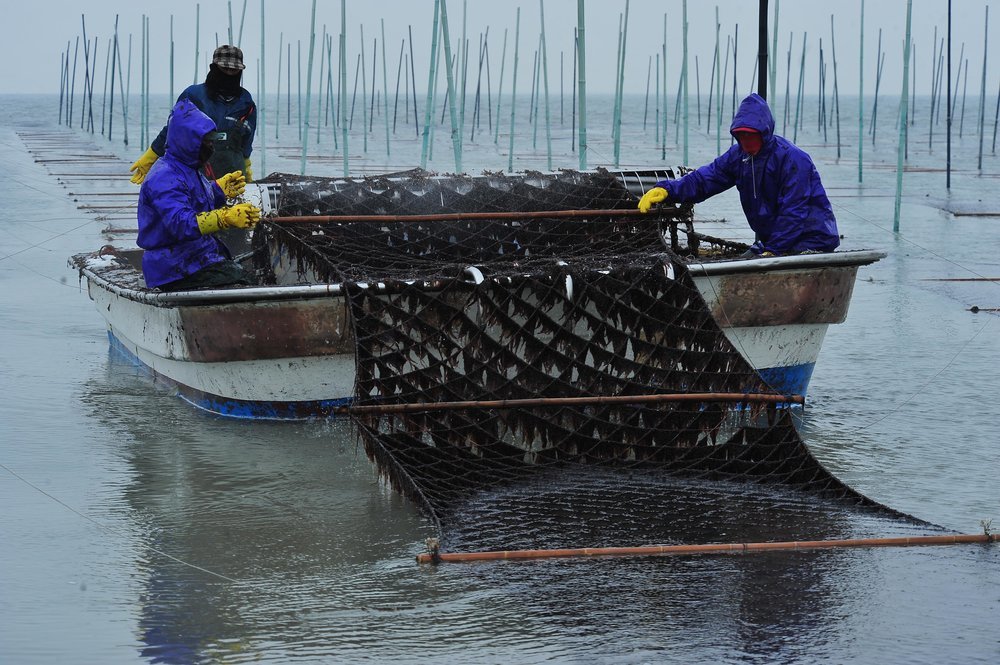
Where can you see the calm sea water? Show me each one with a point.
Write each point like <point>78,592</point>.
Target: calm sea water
<point>137,529</point>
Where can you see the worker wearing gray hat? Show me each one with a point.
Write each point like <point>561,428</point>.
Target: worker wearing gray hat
<point>229,105</point>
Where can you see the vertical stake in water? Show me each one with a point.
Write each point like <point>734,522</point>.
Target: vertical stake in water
<point>385,90</point>
<point>364,91</point>
<point>903,124</point>
<point>545,76</point>
<point>277,92</point>
<point>798,94</point>
<point>343,84</point>
<point>836,87</point>
<point>684,72</point>
<point>718,87</point>
<point>513,89</point>
<point>982,93</point>
<point>947,177</point>
<point>663,49</point>
<point>172,58</point>
<point>861,94</point>
<point>503,63</point>
<point>582,94</point>
<point>773,65</point>
<point>456,135</point>
<point>197,35</point>
<point>263,95</point>
<point>428,108</point>
<point>309,71</point>
<point>621,88</point>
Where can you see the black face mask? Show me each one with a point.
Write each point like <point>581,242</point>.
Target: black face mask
<point>222,84</point>
<point>207,149</point>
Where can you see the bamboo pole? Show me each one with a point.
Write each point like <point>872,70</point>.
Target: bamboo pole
<point>582,82</point>
<point>261,111</point>
<point>456,135</point>
<point>836,87</point>
<point>965,88</point>
<point>229,3</point>
<point>277,106</point>
<point>239,37</point>
<point>428,110</point>
<point>557,402</point>
<point>934,84</point>
<point>718,88</point>
<point>288,86</point>
<point>561,74</point>
<point>572,131</point>
<point>721,548</point>
<point>343,86</point>
<point>72,87</point>
<point>684,75</point>
<point>861,93</point>
<point>880,62</point>
<point>104,93</point>
<point>982,93</point>
<point>489,84</point>
<point>413,80</point>
<point>798,95</point>
<point>298,96</point>
<point>312,46</point>
<point>513,90</point>
<point>114,60</point>
<point>143,138</point>
<point>663,52</point>
<point>773,63</point>
<point>399,71</point>
<point>197,41</point>
<point>172,98</point>
<point>465,216</point>
<point>385,93</point>
<point>63,66</point>
<point>697,88</point>
<point>903,120</point>
<point>503,63</point>
<point>621,88</point>
<point>951,109</point>
<point>319,97</point>
<point>364,91</point>
<point>464,48</point>
<point>545,77</point>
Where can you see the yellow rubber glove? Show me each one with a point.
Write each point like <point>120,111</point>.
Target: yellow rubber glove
<point>247,170</point>
<point>142,165</point>
<point>232,184</point>
<point>654,195</point>
<point>239,216</point>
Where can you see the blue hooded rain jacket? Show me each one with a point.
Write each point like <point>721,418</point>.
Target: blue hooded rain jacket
<point>171,195</point>
<point>779,187</point>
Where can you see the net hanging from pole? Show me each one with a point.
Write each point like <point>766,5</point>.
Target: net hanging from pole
<point>461,311</point>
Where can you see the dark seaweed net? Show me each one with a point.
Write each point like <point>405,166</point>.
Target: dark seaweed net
<point>493,310</point>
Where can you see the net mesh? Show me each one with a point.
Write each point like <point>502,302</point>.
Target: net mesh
<point>543,309</point>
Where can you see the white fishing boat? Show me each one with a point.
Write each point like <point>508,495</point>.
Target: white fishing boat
<point>286,350</point>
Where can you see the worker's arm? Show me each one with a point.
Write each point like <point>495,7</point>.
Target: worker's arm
<point>706,181</point>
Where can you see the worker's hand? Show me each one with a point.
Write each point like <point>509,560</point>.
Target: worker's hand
<point>654,195</point>
<point>140,168</point>
<point>232,184</point>
<point>247,170</point>
<point>240,216</point>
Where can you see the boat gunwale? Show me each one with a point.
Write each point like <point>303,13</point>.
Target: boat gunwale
<point>232,295</point>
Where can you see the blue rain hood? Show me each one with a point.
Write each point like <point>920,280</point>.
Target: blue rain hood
<point>172,195</point>
<point>755,114</point>
<point>186,128</point>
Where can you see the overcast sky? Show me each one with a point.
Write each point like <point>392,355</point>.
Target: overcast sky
<point>31,56</point>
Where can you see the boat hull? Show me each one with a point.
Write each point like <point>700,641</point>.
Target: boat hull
<point>286,352</point>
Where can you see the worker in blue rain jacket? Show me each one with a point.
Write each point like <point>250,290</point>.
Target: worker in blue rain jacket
<point>780,189</point>
<point>229,105</point>
<point>180,210</point>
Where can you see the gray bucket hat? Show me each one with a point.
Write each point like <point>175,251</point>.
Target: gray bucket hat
<point>228,57</point>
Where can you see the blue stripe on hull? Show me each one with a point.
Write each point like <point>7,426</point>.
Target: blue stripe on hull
<point>790,380</point>
<point>236,408</point>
